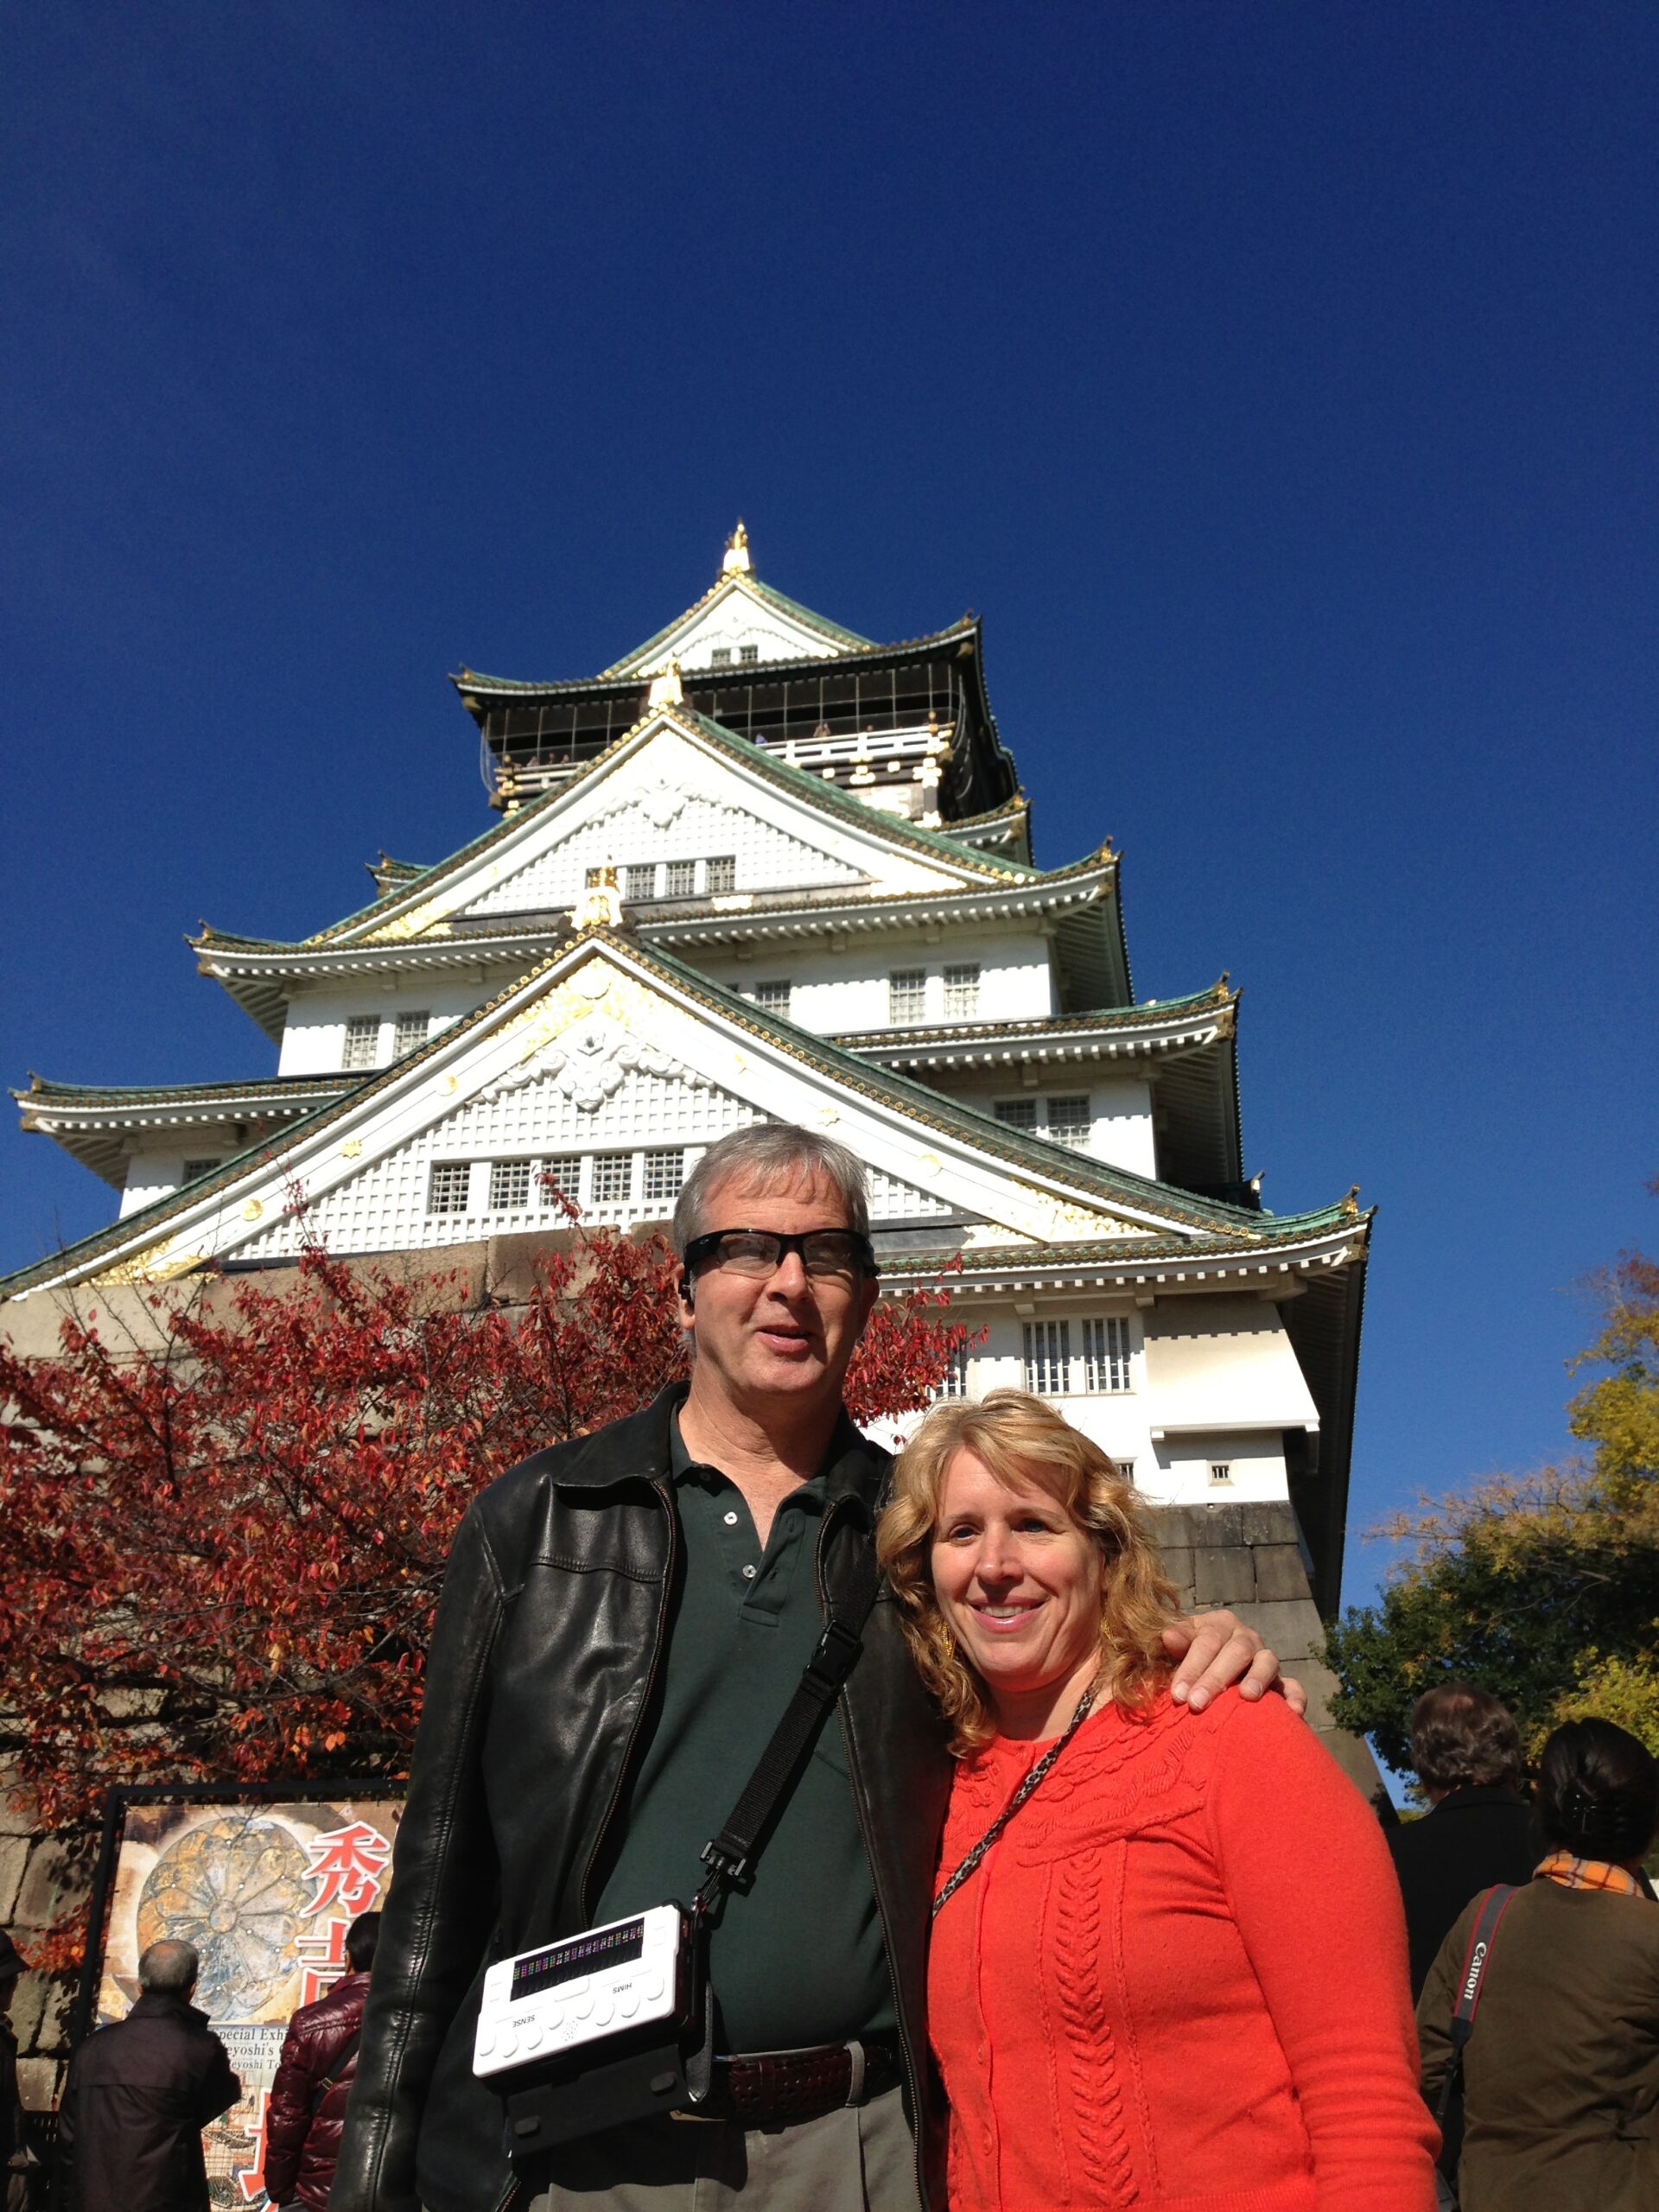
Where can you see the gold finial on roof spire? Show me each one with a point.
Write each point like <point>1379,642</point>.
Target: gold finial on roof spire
<point>735,560</point>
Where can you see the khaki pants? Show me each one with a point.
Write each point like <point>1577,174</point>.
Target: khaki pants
<point>861,2159</point>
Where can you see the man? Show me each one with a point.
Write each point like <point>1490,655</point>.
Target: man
<point>623,1622</point>
<point>1479,1829</point>
<point>313,2078</point>
<point>139,2094</point>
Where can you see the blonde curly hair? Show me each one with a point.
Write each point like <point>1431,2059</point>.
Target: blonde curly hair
<point>1020,1438</point>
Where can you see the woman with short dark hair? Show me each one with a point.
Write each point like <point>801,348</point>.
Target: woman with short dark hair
<point>1561,2071</point>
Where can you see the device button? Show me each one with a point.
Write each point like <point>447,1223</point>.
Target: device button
<point>533,2034</point>
<point>552,2017</point>
<point>655,1987</point>
<point>604,2011</point>
<point>509,2044</point>
<point>627,2003</point>
<point>578,1987</point>
<point>583,2004</point>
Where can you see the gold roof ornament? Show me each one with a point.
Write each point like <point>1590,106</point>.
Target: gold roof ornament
<point>667,689</point>
<point>1350,1207</point>
<point>599,906</point>
<point>735,560</point>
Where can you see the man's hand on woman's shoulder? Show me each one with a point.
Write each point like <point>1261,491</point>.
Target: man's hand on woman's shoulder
<point>1215,1651</point>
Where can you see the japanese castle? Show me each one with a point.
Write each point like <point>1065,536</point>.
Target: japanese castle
<point>763,868</point>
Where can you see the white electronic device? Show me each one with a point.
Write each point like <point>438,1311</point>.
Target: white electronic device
<point>601,1985</point>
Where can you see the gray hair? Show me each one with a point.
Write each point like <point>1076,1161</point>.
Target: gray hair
<point>768,1155</point>
<point>169,1968</point>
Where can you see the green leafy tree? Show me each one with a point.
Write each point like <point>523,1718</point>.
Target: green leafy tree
<point>1541,1588</point>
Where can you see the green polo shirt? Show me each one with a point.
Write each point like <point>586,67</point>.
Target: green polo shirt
<point>797,1958</point>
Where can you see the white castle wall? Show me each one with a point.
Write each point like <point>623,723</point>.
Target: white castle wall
<point>845,989</point>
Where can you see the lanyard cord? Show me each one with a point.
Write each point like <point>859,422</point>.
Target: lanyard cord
<point>1085,1704</point>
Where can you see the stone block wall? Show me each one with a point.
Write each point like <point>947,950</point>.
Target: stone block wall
<point>1252,1559</point>
<point>41,1877</point>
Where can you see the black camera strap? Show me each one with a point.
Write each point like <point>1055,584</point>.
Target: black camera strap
<point>1476,1961</point>
<point>731,1855</point>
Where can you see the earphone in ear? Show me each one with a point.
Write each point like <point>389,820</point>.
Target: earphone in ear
<point>687,1290</point>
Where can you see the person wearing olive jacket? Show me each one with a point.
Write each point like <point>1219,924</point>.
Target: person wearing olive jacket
<point>624,1619</point>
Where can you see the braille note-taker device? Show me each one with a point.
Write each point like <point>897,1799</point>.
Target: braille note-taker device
<point>614,2024</point>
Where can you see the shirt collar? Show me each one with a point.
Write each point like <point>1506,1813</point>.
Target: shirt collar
<point>850,1465</point>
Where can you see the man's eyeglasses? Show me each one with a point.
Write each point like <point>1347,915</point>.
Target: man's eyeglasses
<point>760,1252</point>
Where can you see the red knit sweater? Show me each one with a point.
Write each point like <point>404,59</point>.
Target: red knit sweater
<point>1178,1981</point>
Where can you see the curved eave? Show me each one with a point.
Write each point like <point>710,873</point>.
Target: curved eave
<point>1285,1256</point>
<point>613,682</point>
<point>254,971</point>
<point>91,1123</point>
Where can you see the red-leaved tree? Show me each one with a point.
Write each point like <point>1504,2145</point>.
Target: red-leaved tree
<point>223,1545</point>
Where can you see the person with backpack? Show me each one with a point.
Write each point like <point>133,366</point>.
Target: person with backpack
<point>313,2079</point>
<point>1548,1997</point>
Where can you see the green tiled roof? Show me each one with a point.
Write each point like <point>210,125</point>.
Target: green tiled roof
<point>43,1092</point>
<point>751,585</point>
<point>1030,1155</point>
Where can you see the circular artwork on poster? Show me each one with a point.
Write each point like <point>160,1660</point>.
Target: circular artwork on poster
<point>236,1887</point>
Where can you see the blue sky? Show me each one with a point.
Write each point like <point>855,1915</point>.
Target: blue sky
<point>1277,380</point>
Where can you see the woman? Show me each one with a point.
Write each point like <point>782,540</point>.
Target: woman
<point>1176,1975</point>
<point>1561,2071</point>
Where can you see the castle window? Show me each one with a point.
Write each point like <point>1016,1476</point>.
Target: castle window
<point>560,1175</point>
<point>1048,1358</point>
<point>665,1173</point>
<point>953,1384</point>
<point>411,1030</point>
<point>721,657</point>
<point>748,655</point>
<point>1068,1122</point>
<point>773,997</point>
<point>961,992</point>
<point>362,1041</point>
<point>1221,1471</point>
<point>612,1178</point>
<point>682,880</point>
<point>640,882</point>
<point>447,1190</point>
<point>1016,1113</point>
<point>509,1185</point>
<point>1106,1355</point>
<point>907,994</point>
<point>722,875</point>
<point>192,1169</point>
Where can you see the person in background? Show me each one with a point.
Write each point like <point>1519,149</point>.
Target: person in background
<point>314,2077</point>
<point>1479,1829</point>
<point>1168,1962</point>
<point>1561,2072</point>
<point>13,1967</point>
<point>139,2094</point>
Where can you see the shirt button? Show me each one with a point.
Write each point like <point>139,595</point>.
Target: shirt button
<point>731,1520</point>
<point>748,1574</point>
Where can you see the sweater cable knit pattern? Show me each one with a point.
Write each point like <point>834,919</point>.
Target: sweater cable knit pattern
<point>1132,1999</point>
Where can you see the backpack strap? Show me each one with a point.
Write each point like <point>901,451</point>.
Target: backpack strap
<point>1495,1904</point>
<point>343,2058</point>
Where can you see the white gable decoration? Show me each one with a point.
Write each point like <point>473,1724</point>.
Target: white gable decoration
<point>736,616</point>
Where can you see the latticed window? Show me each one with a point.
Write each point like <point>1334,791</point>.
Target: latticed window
<point>1068,1122</point>
<point>563,1174</point>
<point>1221,1471</point>
<point>1048,1358</point>
<point>749,654</point>
<point>639,882</point>
<point>907,994</point>
<point>722,874</point>
<point>665,1173</point>
<point>411,1032</point>
<point>961,992</point>
<point>721,657</point>
<point>773,997</point>
<point>953,1384</point>
<point>682,880</point>
<point>1016,1113</point>
<point>446,1192</point>
<point>613,1176</point>
<point>194,1168</point>
<point>1106,1355</point>
<point>509,1184</point>
<point>1125,1468</point>
<point>362,1040</point>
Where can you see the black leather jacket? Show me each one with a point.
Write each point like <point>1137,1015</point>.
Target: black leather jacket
<point>547,1640</point>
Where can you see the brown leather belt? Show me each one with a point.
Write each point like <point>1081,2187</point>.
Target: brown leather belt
<point>781,2089</point>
